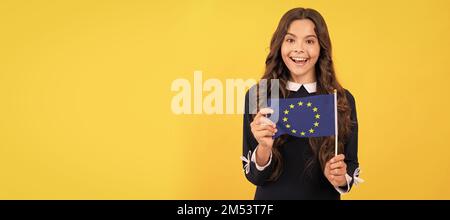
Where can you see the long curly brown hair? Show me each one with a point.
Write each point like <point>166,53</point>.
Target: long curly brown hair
<point>322,147</point>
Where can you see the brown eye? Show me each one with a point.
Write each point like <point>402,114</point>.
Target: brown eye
<point>309,41</point>
<point>290,40</point>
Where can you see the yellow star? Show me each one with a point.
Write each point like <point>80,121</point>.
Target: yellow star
<point>311,130</point>
<point>294,131</point>
<point>317,116</point>
<point>315,109</point>
<point>286,112</point>
<point>285,119</point>
<point>316,124</point>
<point>291,106</point>
<point>288,126</point>
<point>302,133</point>
<point>300,103</point>
<point>309,104</point>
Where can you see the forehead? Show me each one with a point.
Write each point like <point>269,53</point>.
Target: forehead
<point>301,28</point>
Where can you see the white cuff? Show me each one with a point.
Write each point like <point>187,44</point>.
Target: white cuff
<point>356,178</point>
<point>260,168</point>
<point>349,180</point>
<point>356,181</point>
<point>247,162</point>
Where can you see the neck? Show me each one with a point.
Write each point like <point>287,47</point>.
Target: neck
<point>307,78</point>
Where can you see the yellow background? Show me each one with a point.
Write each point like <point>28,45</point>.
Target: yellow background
<point>85,95</point>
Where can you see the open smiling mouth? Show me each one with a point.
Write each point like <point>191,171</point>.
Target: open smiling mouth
<point>299,60</point>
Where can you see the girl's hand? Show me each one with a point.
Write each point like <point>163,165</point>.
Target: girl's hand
<point>263,129</point>
<point>335,170</point>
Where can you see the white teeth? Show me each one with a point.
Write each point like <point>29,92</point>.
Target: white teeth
<point>299,58</point>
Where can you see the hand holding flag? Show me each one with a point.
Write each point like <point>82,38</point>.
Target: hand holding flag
<point>335,170</point>
<point>263,129</point>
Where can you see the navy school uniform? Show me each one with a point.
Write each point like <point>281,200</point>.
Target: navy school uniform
<point>296,182</point>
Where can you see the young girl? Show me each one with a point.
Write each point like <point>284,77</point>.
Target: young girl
<point>291,167</point>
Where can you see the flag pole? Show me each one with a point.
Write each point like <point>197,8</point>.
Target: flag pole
<point>335,125</point>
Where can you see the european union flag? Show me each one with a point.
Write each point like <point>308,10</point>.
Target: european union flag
<point>311,116</point>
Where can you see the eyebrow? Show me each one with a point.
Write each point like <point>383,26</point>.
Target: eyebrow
<point>311,35</point>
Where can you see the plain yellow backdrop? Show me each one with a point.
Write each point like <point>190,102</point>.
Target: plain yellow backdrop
<point>85,95</point>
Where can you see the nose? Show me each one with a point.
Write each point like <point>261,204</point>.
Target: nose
<point>298,48</point>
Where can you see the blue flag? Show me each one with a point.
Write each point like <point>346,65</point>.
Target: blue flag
<point>311,116</point>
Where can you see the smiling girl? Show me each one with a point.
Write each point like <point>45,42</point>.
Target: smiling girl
<point>301,168</point>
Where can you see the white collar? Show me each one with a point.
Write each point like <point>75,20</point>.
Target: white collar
<point>310,87</point>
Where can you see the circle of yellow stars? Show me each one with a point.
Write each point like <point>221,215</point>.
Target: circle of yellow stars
<point>299,105</point>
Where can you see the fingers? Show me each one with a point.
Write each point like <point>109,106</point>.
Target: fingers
<point>261,114</point>
<point>335,170</point>
<point>262,126</point>
<point>266,111</point>
<point>264,133</point>
<point>262,123</point>
<point>265,121</point>
<point>265,127</point>
<point>336,161</point>
<point>336,166</point>
<point>337,181</point>
<point>339,157</point>
<point>338,172</point>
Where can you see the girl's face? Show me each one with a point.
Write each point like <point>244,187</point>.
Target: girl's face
<point>300,50</point>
